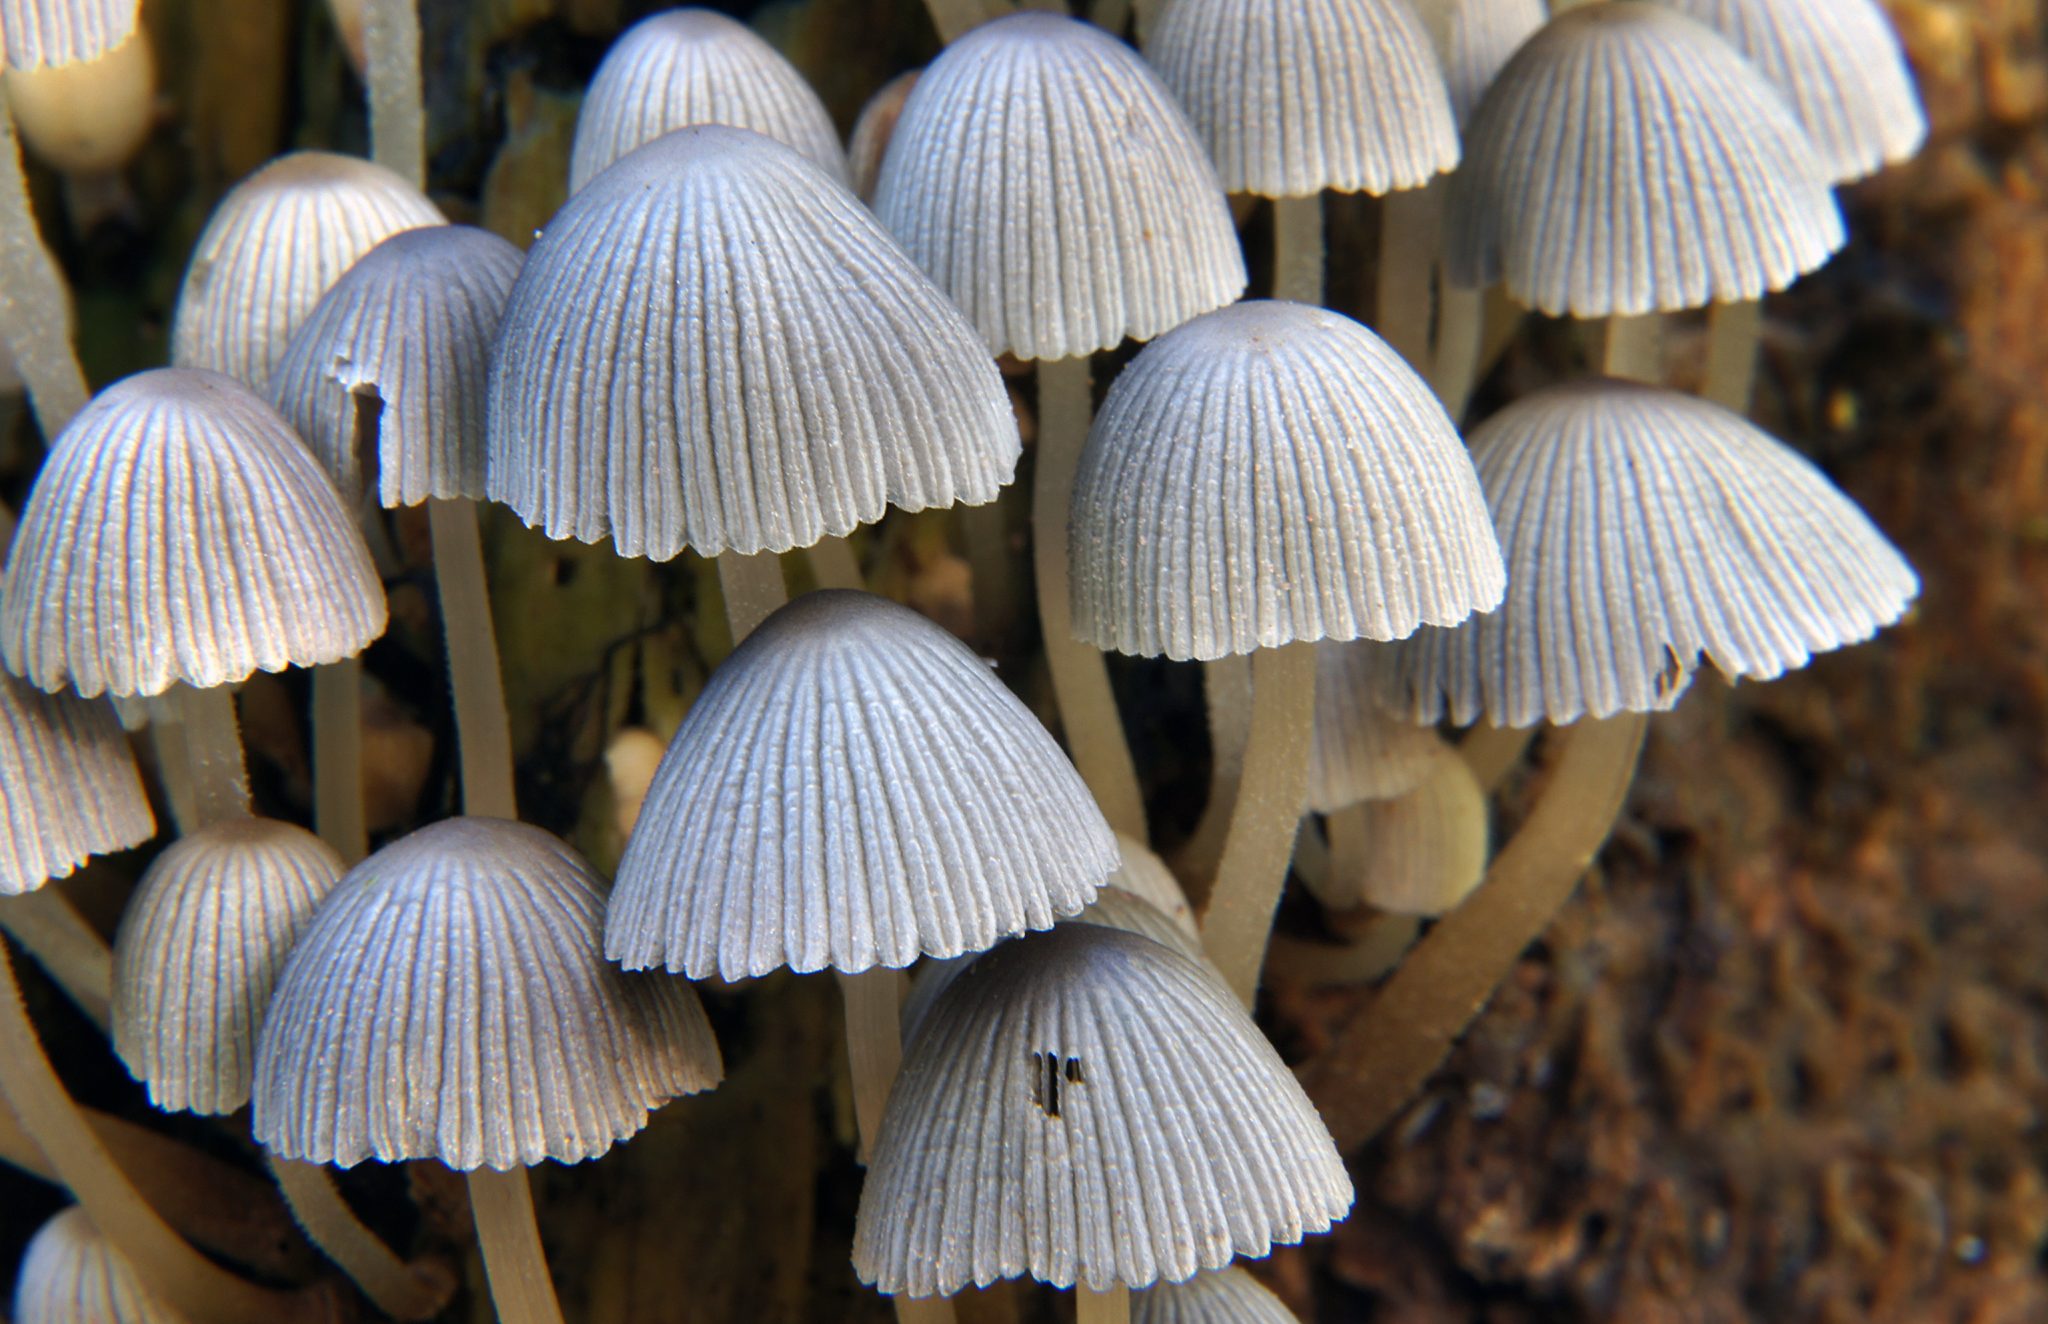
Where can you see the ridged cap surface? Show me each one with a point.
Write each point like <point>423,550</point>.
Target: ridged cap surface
<point>1839,64</point>
<point>200,948</point>
<point>180,531</point>
<point>1627,160</point>
<point>1269,473</point>
<point>71,1274</point>
<point>1643,529</point>
<point>1088,1105</point>
<point>68,786</point>
<point>714,346</point>
<point>1357,750</point>
<point>1292,99</point>
<point>1145,876</point>
<point>54,32</point>
<point>1049,182</point>
<point>450,1002</point>
<point>1474,39</point>
<point>1227,1296</point>
<point>405,335</point>
<point>1423,851</point>
<point>853,788</point>
<point>271,249</point>
<point>696,66</point>
<point>874,128</point>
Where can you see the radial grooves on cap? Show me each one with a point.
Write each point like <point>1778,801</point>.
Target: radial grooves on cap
<point>71,1274</point>
<point>54,32</point>
<point>696,66</point>
<point>271,249</point>
<point>853,788</point>
<point>1269,473</point>
<point>1840,67</point>
<point>1088,1105</point>
<point>1296,98</point>
<point>1114,908</point>
<point>1047,180</point>
<point>1476,39</point>
<point>1644,528</point>
<point>1357,750</point>
<point>1628,161</point>
<point>1227,1296</point>
<point>407,331</point>
<point>716,347</point>
<point>180,531</point>
<point>199,950</point>
<point>1145,876</point>
<point>449,1001</point>
<point>68,786</point>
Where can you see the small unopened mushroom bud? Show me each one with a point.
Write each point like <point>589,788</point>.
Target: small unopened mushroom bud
<point>90,117</point>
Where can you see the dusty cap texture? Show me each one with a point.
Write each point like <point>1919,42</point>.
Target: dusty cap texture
<point>180,531</point>
<point>853,788</point>
<point>1087,1105</point>
<point>36,33</point>
<point>1269,473</point>
<point>1628,161</point>
<point>696,66</point>
<point>68,786</point>
<point>714,346</point>
<point>1357,750</point>
<point>1474,39</point>
<point>1645,529</point>
<point>392,360</point>
<point>1291,99</point>
<point>73,1275</point>
<point>449,1002</point>
<point>1050,184</point>
<point>1227,1296</point>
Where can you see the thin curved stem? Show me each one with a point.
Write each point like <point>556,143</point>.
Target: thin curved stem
<point>393,1286</point>
<point>753,589</point>
<point>833,564</point>
<point>985,533</point>
<point>213,755</point>
<point>1491,752</point>
<point>398,118</point>
<point>1460,330</point>
<point>1410,223</point>
<point>874,1043</point>
<point>1733,330</point>
<point>483,732</point>
<point>1110,1306</point>
<point>1634,348</point>
<point>338,758</point>
<point>33,300</point>
<point>1227,691</point>
<point>68,949</point>
<point>1298,249</point>
<point>514,1261</point>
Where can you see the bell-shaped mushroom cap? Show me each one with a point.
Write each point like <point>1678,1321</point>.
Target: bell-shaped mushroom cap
<point>1268,473</point>
<point>1115,908</point>
<point>1087,1105</point>
<point>1047,180</point>
<point>449,1002</point>
<point>1357,750</point>
<point>1145,876</point>
<point>271,249</point>
<point>1422,852</point>
<point>1643,529</point>
<point>180,531</point>
<point>873,130</point>
<point>1839,65</point>
<point>853,788</point>
<point>405,336</point>
<point>199,950</point>
<point>1627,160</point>
<point>68,786</point>
<point>71,1274</point>
<point>716,347</point>
<point>52,32</point>
<point>1317,94</point>
<point>1474,39</point>
<point>696,66</point>
<point>1227,1296</point>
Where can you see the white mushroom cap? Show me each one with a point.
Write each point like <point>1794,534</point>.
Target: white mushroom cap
<point>1145,876</point>
<point>271,249</point>
<point>1357,750</point>
<point>71,1274</point>
<point>1423,850</point>
<point>1292,99</point>
<point>406,332</point>
<point>714,346</point>
<point>53,32</point>
<point>1474,39</point>
<point>1643,530</point>
<point>853,788</point>
<point>180,531</point>
<point>696,66</point>
<point>449,1002</point>
<point>1048,181</point>
<point>1227,1296</point>
<point>68,786</point>
<point>1628,161</point>
<point>1089,1106</point>
<point>1269,473</point>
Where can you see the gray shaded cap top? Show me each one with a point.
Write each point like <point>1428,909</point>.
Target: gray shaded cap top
<point>1269,473</point>
<point>71,1274</point>
<point>1644,529</point>
<point>68,786</point>
<point>1227,1296</point>
<point>1089,1106</point>
<point>1048,181</point>
<point>853,788</point>
<point>714,346</point>
<point>449,1002</point>
<point>54,32</point>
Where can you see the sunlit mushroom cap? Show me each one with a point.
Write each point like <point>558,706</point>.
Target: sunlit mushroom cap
<point>1227,1296</point>
<point>71,1274</point>
<point>68,786</point>
<point>1357,750</point>
<point>271,249</point>
<point>1643,530</point>
<point>853,788</point>
<point>49,32</point>
<point>1269,473</point>
<point>1295,98</point>
<point>180,531</point>
<point>1422,851</point>
<point>449,1002</point>
<point>1087,1105</point>
<point>696,66</point>
<point>405,336</point>
<point>1627,160</point>
<point>1048,181</point>
<point>1839,65</point>
<point>200,948</point>
<point>716,347</point>
<point>1474,39</point>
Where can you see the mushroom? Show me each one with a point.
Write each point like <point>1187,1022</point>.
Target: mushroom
<point>68,786</point>
<point>70,1274</point>
<point>89,117</point>
<point>35,33</point>
<point>1226,1296</point>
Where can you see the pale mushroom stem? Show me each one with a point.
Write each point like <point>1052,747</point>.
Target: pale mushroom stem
<point>514,1261</point>
<point>1493,751</point>
<point>1410,222</point>
<point>213,754</point>
<point>396,1288</point>
<point>1733,330</point>
<point>753,588</point>
<point>483,731</point>
<point>33,299</point>
<point>69,950</point>
<point>1460,335</point>
<point>1227,692</point>
<point>1112,1305</point>
<point>874,1043</point>
<point>1110,15</point>
<point>338,758</point>
<point>1239,917</point>
<point>1635,348</point>
<point>1080,677</point>
<point>1383,1060</point>
<point>1298,249</point>
<point>953,17</point>
<point>985,532</point>
<point>398,121</point>
<point>1361,959</point>
<point>833,564</point>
